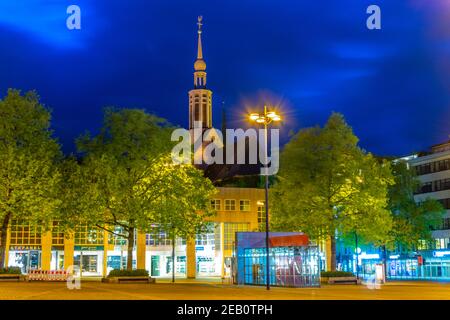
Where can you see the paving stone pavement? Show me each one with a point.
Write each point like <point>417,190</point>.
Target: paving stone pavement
<point>193,290</point>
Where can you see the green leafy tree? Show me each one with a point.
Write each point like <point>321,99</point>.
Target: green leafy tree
<point>131,177</point>
<point>413,221</point>
<point>328,186</point>
<point>78,192</point>
<point>187,205</point>
<point>28,157</point>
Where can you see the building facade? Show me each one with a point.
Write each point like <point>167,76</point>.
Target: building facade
<point>430,260</point>
<point>433,171</point>
<point>96,252</point>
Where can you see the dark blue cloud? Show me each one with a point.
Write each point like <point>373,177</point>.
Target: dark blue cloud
<point>313,57</point>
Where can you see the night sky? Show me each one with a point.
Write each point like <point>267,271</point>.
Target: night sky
<point>308,57</point>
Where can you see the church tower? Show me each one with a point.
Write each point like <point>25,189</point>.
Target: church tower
<point>200,98</point>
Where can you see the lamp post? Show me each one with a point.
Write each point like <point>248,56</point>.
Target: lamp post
<point>265,119</point>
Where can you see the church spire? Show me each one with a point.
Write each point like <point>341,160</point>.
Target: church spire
<point>200,98</point>
<point>200,65</point>
<point>199,50</point>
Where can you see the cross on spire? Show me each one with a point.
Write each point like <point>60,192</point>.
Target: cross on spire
<point>199,23</point>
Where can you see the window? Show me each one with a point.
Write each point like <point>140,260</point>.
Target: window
<point>215,204</point>
<point>431,167</point>
<point>85,235</point>
<point>230,205</point>
<point>423,169</point>
<point>196,112</point>
<point>445,224</point>
<point>442,185</point>
<point>244,205</point>
<point>204,117</point>
<point>57,234</point>
<point>23,233</point>
<point>181,264</point>
<point>445,203</point>
<point>207,238</point>
<point>422,245</point>
<point>441,165</point>
<point>158,238</point>
<point>117,240</point>
<point>442,243</point>
<point>261,216</point>
<point>425,187</point>
<point>230,230</point>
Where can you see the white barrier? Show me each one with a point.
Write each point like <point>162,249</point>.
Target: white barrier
<point>47,275</point>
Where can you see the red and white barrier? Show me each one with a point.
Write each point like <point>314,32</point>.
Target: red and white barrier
<point>47,275</point>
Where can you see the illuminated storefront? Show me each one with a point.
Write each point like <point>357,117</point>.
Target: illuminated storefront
<point>96,252</point>
<point>158,258</point>
<point>88,251</point>
<point>418,265</point>
<point>25,246</point>
<point>208,252</point>
<point>117,253</point>
<point>427,265</point>
<point>293,262</point>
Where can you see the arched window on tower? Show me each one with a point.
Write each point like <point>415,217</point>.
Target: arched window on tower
<point>205,118</point>
<point>197,112</point>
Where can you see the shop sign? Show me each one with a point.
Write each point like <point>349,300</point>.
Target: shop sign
<point>24,248</point>
<point>440,254</point>
<point>88,248</point>
<point>369,256</point>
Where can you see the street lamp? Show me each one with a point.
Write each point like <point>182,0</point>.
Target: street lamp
<point>266,118</point>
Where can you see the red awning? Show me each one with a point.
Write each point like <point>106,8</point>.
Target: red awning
<point>289,241</point>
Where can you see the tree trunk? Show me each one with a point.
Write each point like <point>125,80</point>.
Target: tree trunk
<point>333,252</point>
<point>173,259</point>
<point>385,262</point>
<point>3,232</point>
<point>130,248</point>
<point>357,255</point>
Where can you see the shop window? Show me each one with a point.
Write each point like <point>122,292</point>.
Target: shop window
<point>181,264</point>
